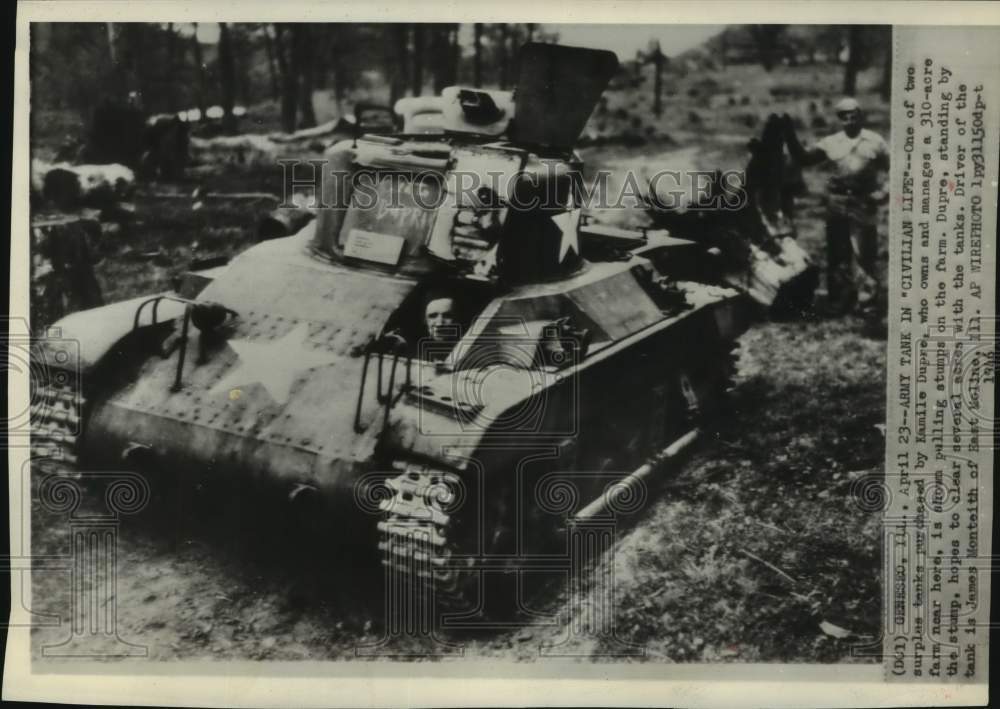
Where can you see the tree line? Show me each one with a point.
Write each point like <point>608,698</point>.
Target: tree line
<point>855,47</point>
<point>168,68</point>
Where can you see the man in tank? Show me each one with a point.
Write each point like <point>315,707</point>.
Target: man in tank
<point>441,324</point>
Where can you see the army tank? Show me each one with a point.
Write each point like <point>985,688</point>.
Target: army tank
<point>306,363</point>
<point>754,235</point>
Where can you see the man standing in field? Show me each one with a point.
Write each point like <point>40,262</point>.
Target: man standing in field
<point>859,159</point>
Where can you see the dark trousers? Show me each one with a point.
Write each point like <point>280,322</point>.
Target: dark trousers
<point>851,259</point>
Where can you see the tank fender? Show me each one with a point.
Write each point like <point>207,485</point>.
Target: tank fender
<point>92,334</point>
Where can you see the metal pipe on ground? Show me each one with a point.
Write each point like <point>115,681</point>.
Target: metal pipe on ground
<point>637,476</point>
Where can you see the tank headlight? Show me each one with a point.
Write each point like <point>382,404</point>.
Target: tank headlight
<point>209,317</point>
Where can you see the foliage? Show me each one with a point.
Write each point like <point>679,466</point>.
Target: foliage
<point>174,67</point>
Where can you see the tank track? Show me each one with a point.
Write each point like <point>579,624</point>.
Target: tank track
<point>414,531</point>
<point>57,412</point>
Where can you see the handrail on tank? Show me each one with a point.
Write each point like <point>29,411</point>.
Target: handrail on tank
<point>387,404</point>
<point>385,398</point>
<point>182,348</point>
<point>380,397</point>
<point>179,344</point>
<point>369,348</point>
<point>155,300</point>
<point>142,306</point>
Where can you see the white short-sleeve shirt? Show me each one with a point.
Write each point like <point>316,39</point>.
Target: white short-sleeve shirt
<point>857,158</point>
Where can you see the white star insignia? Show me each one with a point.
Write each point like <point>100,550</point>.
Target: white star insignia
<point>273,364</point>
<point>568,223</point>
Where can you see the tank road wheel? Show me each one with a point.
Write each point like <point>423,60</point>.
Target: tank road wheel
<point>705,390</point>
<point>723,380</point>
<point>730,358</point>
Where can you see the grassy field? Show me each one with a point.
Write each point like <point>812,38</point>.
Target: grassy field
<point>746,555</point>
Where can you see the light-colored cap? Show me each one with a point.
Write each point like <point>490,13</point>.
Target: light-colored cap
<point>846,104</point>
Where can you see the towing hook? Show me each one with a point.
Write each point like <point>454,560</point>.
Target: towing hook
<point>210,317</point>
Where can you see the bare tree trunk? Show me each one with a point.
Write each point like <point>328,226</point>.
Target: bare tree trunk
<point>389,60</point>
<point>227,79</point>
<point>271,65</point>
<point>766,39</point>
<point>338,85</point>
<point>456,53</point>
<point>319,55</point>
<point>138,40</point>
<point>530,29</point>
<point>289,81</point>
<point>112,43</point>
<point>853,60</point>
<point>199,67</point>
<point>240,43</point>
<point>337,66</point>
<point>440,53</point>
<point>504,55</point>
<point>477,57</point>
<point>302,68</point>
<point>658,83</point>
<point>417,87</point>
<point>171,61</point>
<point>444,55</point>
<point>398,61</point>
<point>122,85</point>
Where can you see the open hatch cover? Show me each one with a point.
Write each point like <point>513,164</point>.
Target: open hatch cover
<point>557,90</point>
